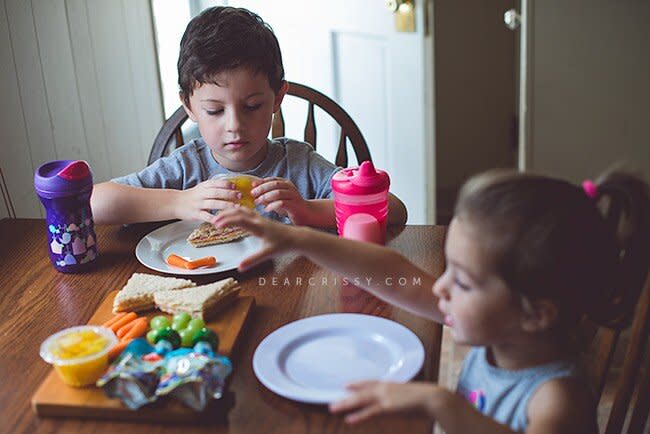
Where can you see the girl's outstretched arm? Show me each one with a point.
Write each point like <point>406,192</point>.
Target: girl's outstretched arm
<point>557,408</point>
<point>376,267</point>
<point>450,410</point>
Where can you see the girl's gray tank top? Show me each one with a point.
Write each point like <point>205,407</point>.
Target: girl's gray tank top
<point>503,394</point>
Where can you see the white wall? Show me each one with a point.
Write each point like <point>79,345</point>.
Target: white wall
<point>78,80</point>
<point>170,20</point>
<point>590,83</point>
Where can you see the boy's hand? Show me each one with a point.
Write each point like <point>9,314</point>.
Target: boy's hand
<point>370,398</point>
<point>277,237</point>
<point>281,196</point>
<point>196,203</point>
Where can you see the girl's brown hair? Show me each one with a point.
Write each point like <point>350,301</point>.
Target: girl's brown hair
<point>549,240</point>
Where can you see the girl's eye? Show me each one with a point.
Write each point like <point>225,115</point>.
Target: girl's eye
<point>214,112</point>
<point>463,286</point>
<point>252,108</point>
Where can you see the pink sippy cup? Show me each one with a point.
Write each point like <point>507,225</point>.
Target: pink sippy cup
<point>361,202</point>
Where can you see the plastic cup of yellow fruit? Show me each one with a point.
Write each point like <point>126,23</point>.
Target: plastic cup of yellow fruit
<point>79,354</point>
<point>243,184</point>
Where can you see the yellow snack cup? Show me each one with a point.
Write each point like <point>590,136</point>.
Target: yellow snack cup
<point>243,184</point>
<point>79,354</point>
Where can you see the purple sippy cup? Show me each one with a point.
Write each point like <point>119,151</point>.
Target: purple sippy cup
<point>361,202</point>
<point>64,188</point>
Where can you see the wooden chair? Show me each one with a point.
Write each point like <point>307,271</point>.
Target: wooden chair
<point>632,377</point>
<point>170,136</point>
<point>631,304</point>
<point>6,197</point>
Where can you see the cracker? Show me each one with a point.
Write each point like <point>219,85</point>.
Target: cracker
<point>208,235</point>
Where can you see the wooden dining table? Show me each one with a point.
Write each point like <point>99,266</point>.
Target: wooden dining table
<point>36,301</point>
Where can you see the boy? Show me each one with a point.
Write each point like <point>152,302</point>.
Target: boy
<point>232,81</point>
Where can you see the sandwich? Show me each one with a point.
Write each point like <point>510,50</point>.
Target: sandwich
<point>200,301</point>
<point>137,294</point>
<point>208,234</point>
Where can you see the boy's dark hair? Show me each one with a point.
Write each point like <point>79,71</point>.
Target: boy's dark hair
<point>547,239</point>
<point>224,38</point>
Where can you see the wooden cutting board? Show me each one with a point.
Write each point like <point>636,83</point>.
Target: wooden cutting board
<point>54,398</point>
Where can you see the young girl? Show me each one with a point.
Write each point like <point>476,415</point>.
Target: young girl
<point>527,257</point>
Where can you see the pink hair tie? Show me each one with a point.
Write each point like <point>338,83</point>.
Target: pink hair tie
<point>590,188</point>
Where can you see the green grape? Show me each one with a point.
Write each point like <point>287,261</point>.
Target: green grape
<point>186,337</point>
<point>195,325</point>
<point>159,322</point>
<point>169,335</point>
<point>208,336</point>
<point>181,320</point>
<point>151,336</point>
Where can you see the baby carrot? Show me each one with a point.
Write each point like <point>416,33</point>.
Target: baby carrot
<point>113,320</point>
<point>208,261</point>
<point>125,328</point>
<point>139,328</point>
<point>118,348</point>
<point>122,321</point>
<point>176,261</point>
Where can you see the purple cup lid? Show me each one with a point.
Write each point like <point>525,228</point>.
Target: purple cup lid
<point>62,178</point>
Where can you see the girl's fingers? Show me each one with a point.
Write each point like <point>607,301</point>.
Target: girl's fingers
<point>235,210</point>
<point>262,255</point>
<point>206,216</point>
<point>358,385</point>
<point>355,400</point>
<point>363,414</point>
<point>242,221</point>
<point>227,218</point>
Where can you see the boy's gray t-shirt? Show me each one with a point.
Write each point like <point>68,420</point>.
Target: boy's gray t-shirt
<point>193,163</point>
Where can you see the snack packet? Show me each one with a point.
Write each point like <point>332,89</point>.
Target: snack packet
<point>134,375</point>
<point>194,375</point>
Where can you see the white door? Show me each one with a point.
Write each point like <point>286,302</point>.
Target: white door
<point>585,93</point>
<point>350,51</point>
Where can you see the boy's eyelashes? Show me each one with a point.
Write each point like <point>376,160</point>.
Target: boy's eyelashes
<point>250,108</point>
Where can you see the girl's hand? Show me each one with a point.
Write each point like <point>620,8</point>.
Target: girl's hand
<point>196,203</point>
<point>280,195</point>
<point>370,398</point>
<point>278,238</point>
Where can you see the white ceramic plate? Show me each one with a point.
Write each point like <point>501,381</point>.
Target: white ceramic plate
<point>313,359</point>
<point>155,247</point>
